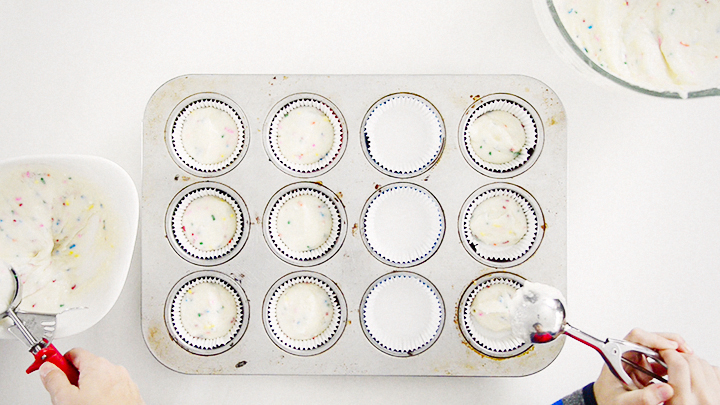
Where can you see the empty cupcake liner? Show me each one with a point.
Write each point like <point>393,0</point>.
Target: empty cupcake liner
<point>195,344</point>
<point>181,154</point>
<point>308,257</point>
<point>317,344</point>
<point>491,344</point>
<point>403,135</point>
<point>501,255</point>
<point>402,314</point>
<point>177,236</point>
<point>402,224</point>
<point>529,119</point>
<point>326,162</point>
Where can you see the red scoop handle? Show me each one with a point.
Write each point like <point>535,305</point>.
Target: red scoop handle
<point>51,354</point>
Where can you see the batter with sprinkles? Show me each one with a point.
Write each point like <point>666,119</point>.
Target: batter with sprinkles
<point>209,223</point>
<point>496,137</point>
<point>208,310</point>
<point>304,311</point>
<point>57,235</point>
<point>305,135</point>
<point>498,221</point>
<point>304,223</point>
<point>209,135</point>
<point>490,311</point>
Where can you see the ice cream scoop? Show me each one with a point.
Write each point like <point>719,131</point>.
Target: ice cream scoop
<point>537,314</point>
<point>28,326</point>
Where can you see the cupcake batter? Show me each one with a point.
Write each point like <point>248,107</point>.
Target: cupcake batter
<point>208,311</point>
<point>209,135</point>
<point>490,310</point>
<point>498,221</point>
<point>661,45</point>
<point>305,135</point>
<point>209,223</point>
<point>304,223</point>
<point>496,137</point>
<point>304,311</point>
<point>57,234</point>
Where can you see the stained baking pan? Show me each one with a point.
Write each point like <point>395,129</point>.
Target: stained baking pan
<point>397,175</point>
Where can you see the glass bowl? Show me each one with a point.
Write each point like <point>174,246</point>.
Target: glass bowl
<point>563,44</point>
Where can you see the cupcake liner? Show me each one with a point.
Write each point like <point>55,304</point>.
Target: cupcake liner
<point>403,135</point>
<point>503,253</point>
<point>201,345</point>
<point>485,341</point>
<point>309,257</point>
<point>402,314</point>
<point>402,224</point>
<point>179,149</point>
<point>318,343</point>
<point>326,162</point>
<point>179,235</point>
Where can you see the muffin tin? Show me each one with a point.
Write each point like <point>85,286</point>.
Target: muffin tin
<point>399,264</point>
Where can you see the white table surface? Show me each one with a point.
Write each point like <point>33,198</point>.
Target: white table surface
<point>642,188</point>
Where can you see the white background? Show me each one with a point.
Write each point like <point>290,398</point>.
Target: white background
<point>642,174</point>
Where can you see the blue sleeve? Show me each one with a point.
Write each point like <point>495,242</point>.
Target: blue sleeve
<point>584,396</point>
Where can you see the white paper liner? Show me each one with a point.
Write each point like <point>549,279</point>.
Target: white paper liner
<point>306,344</point>
<point>402,313</point>
<point>403,224</point>
<point>491,343</point>
<point>182,240</point>
<point>308,254</point>
<point>501,253</point>
<point>526,120</point>
<point>388,143</point>
<point>201,343</point>
<point>338,136</point>
<point>179,148</point>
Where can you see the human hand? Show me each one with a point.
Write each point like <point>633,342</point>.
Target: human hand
<point>694,380</point>
<point>101,382</point>
<point>609,390</point>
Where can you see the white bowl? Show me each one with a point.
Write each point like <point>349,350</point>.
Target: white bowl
<point>117,187</point>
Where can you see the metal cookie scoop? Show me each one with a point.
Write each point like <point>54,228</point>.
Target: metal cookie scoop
<point>540,318</point>
<point>27,327</point>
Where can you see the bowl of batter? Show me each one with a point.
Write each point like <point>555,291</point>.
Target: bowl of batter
<point>665,48</point>
<point>67,226</point>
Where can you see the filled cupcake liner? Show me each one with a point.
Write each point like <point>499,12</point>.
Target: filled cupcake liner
<point>399,342</point>
<point>307,344</point>
<point>304,256</point>
<point>185,244</point>
<point>526,120</point>
<point>177,143</point>
<point>384,243</point>
<point>201,343</point>
<point>500,253</point>
<point>397,159</point>
<point>486,341</point>
<point>326,161</point>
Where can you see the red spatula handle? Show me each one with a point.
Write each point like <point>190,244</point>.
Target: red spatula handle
<point>51,354</point>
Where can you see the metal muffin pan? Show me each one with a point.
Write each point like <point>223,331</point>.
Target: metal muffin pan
<point>353,179</point>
